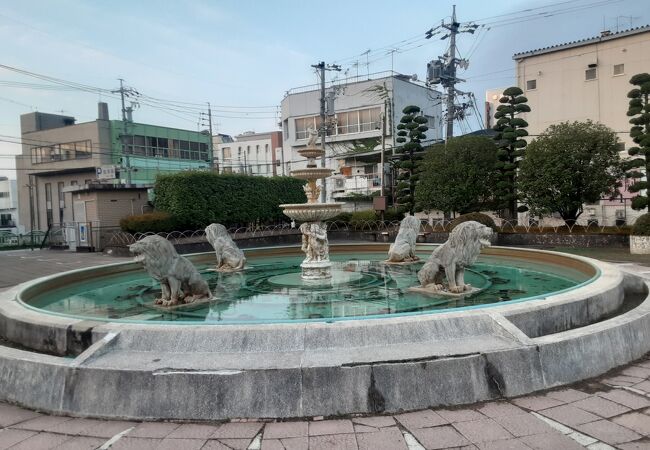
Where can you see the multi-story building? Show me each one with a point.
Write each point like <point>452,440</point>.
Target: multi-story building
<point>354,120</point>
<point>62,159</point>
<point>586,79</point>
<point>8,206</point>
<point>251,153</point>
<point>492,97</point>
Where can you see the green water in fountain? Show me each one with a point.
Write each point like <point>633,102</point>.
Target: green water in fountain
<point>270,290</point>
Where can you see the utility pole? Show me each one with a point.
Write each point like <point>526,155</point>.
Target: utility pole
<point>322,67</point>
<point>212,163</point>
<point>126,162</point>
<point>443,70</point>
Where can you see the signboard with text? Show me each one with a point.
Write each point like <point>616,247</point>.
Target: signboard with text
<point>106,172</point>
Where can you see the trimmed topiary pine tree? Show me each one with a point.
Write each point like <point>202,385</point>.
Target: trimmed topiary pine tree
<point>639,113</point>
<point>411,133</point>
<point>511,130</point>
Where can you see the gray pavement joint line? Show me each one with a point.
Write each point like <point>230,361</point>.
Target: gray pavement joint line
<point>627,388</point>
<point>106,445</point>
<point>580,438</point>
<point>256,443</point>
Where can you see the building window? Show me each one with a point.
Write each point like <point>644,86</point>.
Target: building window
<point>48,203</point>
<point>61,152</point>
<point>619,69</point>
<point>4,194</point>
<point>303,125</point>
<point>531,85</point>
<point>591,74</point>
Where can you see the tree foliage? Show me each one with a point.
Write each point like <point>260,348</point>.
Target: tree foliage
<point>511,131</point>
<point>458,176</point>
<point>196,199</point>
<point>639,113</point>
<point>411,133</point>
<point>568,165</point>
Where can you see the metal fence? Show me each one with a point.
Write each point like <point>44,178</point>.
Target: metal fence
<point>35,238</point>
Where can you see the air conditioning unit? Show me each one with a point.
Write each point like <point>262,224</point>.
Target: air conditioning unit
<point>434,72</point>
<point>620,214</point>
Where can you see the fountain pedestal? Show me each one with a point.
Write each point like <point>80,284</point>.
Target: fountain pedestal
<point>317,265</point>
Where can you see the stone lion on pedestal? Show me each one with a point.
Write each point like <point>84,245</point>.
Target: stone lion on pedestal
<point>229,257</point>
<point>403,249</point>
<point>179,279</point>
<point>450,259</point>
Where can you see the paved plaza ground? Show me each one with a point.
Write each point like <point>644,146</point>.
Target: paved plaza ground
<point>610,412</point>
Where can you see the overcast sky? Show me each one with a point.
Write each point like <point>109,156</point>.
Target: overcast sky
<point>243,55</point>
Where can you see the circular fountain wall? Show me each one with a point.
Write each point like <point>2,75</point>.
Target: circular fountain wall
<point>274,345</point>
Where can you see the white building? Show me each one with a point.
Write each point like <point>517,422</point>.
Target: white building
<point>251,153</point>
<point>353,144</point>
<point>8,206</point>
<point>587,79</point>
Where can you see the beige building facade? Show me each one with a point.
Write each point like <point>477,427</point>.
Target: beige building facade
<point>586,80</point>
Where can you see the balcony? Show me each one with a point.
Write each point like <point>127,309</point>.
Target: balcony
<point>365,184</point>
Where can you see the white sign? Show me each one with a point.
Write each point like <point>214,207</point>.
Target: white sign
<point>106,172</point>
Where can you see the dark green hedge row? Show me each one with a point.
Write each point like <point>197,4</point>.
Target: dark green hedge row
<point>155,222</point>
<point>197,199</point>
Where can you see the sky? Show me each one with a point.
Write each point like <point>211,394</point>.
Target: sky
<point>243,55</point>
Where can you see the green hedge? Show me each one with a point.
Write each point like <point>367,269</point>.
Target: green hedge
<point>642,226</point>
<point>156,222</point>
<point>475,216</point>
<point>196,199</point>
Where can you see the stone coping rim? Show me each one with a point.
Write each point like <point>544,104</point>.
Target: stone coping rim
<point>604,278</point>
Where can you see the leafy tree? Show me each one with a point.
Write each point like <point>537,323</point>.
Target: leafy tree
<point>411,126</point>
<point>458,176</point>
<point>568,165</point>
<point>639,111</point>
<point>509,138</point>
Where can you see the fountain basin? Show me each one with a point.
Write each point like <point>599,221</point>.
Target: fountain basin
<point>311,173</point>
<point>311,152</point>
<point>324,366</point>
<point>311,212</point>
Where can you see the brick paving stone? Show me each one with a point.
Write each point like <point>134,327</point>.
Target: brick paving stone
<point>482,430</point>
<point>439,437</point>
<point>601,406</point>
<point>643,386</point>
<point>622,380</point>
<point>636,371</point>
<point>377,421</point>
<point>41,423</point>
<point>386,439</point>
<point>507,444</point>
<point>421,419</point>
<point>81,443</point>
<point>285,430</point>
<point>237,430</point>
<point>635,446</point>
<point>237,444</point>
<point>495,409</point>
<point>74,426</point>
<point>626,398</point>
<point>108,428</point>
<point>537,402</point>
<point>364,429</point>
<point>41,441</point>
<point>524,425</point>
<point>333,442</point>
<point>10,437</point>
<point>569,415</point>
<point>551,441</point>
<point>10,415</point>
<point>153,429</point>
<point>193,430</point>
<point>460,415</point>
<point>297,443</point>
<point>213,445</point>
<point>567,395</point>
<point>330,427</point>
<point>272,444</point>
<point>634,421</point>
<point>127,443</point>
<point>608,432</point>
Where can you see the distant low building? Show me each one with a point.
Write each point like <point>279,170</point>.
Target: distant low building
<point>251,153</point>
<point>9,206</point>
<point>60,156</point>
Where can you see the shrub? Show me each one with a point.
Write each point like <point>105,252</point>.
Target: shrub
<point>343,217</point>
<point>155,222</point>
<point>392,214</point>
<point>642,226</point>
<point>359,218</point>
<point>200,198</point>
<point>478,217</point>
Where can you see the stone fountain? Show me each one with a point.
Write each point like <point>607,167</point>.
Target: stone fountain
<point>316,265</point>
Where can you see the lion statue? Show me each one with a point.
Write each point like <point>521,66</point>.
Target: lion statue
<point>229,257</point>
<point>450,259</point>
<point>403,249</point>
<point>179,279</point>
